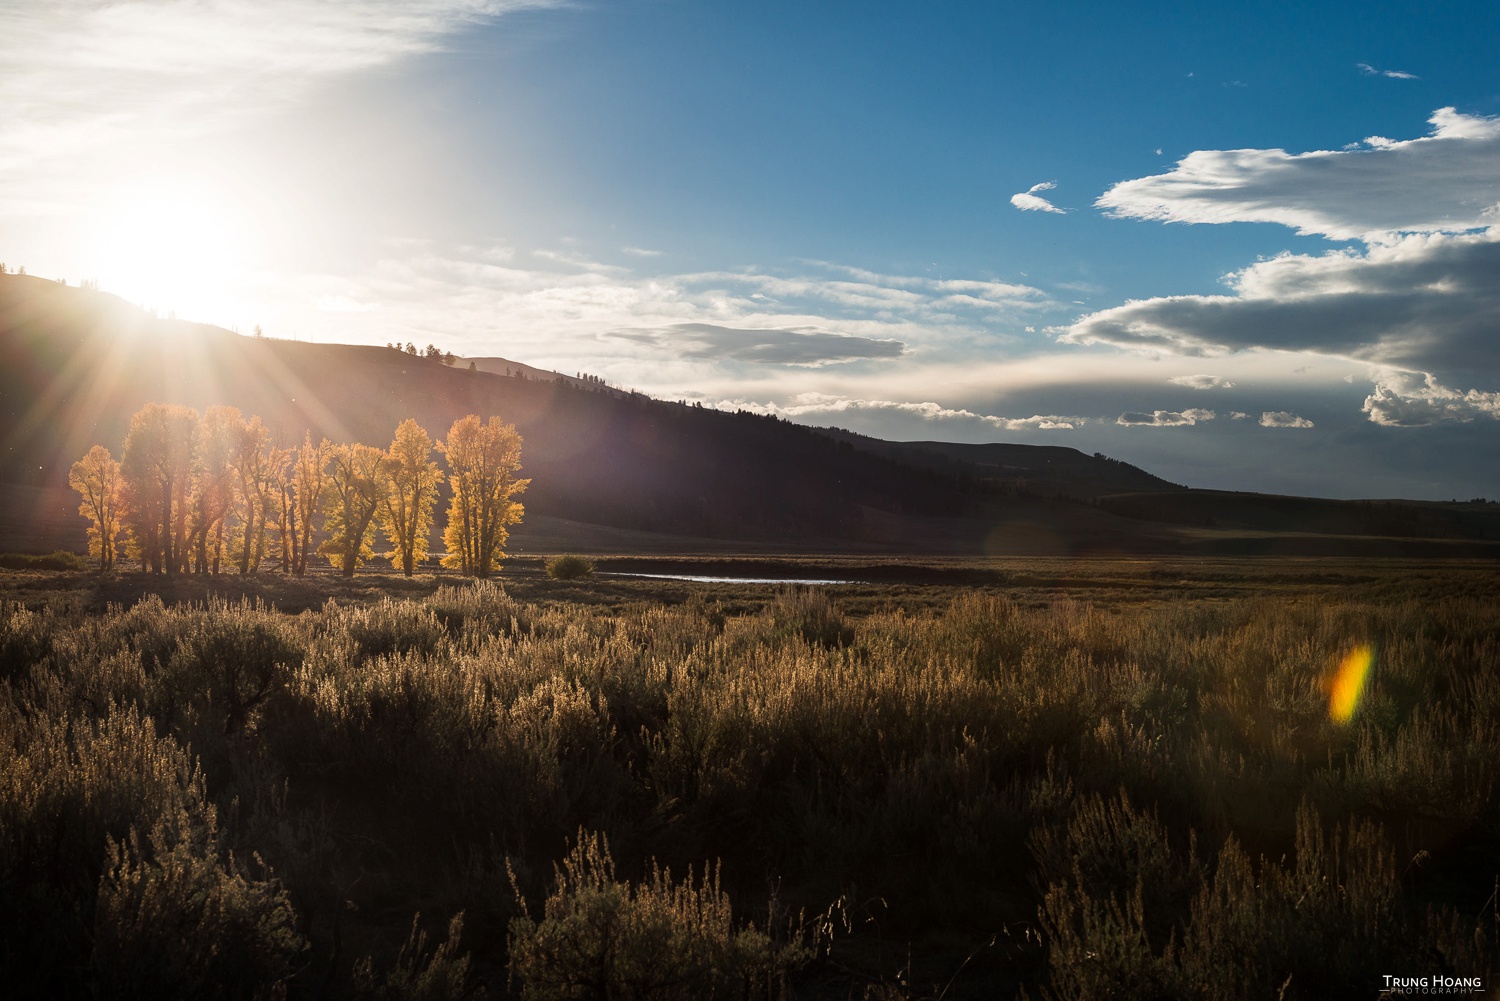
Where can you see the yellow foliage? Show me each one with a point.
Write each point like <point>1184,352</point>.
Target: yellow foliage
<point>482,460</point>
<point>97,478</point>
<point>412,479</point>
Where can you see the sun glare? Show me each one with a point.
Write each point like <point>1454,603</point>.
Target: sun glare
<point>1348,685</point>
<point>177,248</point>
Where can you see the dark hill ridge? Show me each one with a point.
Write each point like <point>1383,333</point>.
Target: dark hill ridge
<point>78,363</point>
<point>75,364</point>
<point>1041,470</point>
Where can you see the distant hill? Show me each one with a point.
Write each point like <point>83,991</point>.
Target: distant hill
<point>1040,470</point>
<point>610,468</point>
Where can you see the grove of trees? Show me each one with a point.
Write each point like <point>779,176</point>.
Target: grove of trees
<point>200,493</point>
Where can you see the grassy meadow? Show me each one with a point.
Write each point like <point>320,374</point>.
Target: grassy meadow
<point>1049,778</point>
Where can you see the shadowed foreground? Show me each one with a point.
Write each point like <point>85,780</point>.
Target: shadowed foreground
<point>906,792</point>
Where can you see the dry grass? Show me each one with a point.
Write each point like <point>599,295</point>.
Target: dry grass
<point>1124,784</point>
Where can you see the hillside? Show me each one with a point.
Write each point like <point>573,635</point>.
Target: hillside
<point>1040,470</point>
<point>610,469</point>
<point>76,364</point>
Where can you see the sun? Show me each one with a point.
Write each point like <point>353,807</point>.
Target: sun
<point>175,246</point>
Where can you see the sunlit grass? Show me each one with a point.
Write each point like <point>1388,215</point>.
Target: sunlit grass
<point>1142,798</point>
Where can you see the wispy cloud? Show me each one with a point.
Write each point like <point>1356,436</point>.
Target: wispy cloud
<point>1282,419</point>
<point>818,404</point>
<point>1165,418</point>
<point>572,259</point>
<point>813,348</point>
<point>1201,381</point>
<point>76,75</point>
<point>1447,181</point>
<point>664,331</point>
<point>1369,70</point>
<point>1030,201</point>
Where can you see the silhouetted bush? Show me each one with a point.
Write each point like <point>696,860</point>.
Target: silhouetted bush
<point>601,937</point>
<point>569,567</point>
<point>810,614</point>
<point>419,974</point>
<point>58,560</point>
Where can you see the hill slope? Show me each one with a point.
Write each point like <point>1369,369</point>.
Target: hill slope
<point>75,364</point>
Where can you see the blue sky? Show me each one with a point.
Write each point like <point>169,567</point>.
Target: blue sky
<point>1244,247</point>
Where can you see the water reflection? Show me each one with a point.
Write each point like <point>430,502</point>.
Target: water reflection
<point>703,579</point>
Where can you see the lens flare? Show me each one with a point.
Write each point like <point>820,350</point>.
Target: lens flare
<point>1348,684</point>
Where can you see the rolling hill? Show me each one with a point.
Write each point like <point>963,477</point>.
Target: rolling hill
<point>615,470</point>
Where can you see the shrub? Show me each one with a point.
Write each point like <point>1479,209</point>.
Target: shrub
<point>420,974</point>
<point>479,609</point>
<point>569,567</point>
<point>228,662</point>
<point>58,560</point>
<point>85,892</point>
<point>25,638</point>
<point>176,920</point>
<point>812,615</point>
<point>385,627</point>
<point>660,939</point>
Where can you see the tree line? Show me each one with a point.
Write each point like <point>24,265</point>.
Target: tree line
<point>211,493</point>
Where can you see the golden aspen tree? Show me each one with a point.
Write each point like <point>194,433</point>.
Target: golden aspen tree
<point>309,480</point>
<point>356,482</point>
<point>412,479</point>
<point>157,468</point>
<point>283,504</point>
<point>213,490</point>
<point>251,461</point>
<point>97,478</point>
<point>483,460</point>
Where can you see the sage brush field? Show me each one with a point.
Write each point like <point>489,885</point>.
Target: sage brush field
<point>788,794</point>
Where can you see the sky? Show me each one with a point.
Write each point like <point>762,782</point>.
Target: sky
<point>1248,247</point>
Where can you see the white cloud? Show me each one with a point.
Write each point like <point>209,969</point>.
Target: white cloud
<point>1446,181</point>
<point>1419,299</point>
<point>577,260</point>
<point>1238,415</point>
<point>1401,399</point>
<point>818,404</point>
<point>805,347</point>
<point>1165,418</point>
<point>870,334</point>
<point>1369,70</point>
<point>1030,201</point>
<point>76,75</point>
<point>1201,382</point>
<point>1282,419</point>
<point>640,252</point>
<point>1425,302</point>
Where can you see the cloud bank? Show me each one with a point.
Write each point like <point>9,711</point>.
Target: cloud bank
<point>1445,181</point>
<point>1201,382</point>
<point>763,346</point>
<point>821,405</point>
<point>1165,418</point>
<point>1418,300</point>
